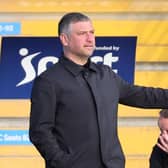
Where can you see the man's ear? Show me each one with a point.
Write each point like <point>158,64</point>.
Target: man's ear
<point>64,39</point>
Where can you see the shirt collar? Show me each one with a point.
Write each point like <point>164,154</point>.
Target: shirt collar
<point>74,68</point>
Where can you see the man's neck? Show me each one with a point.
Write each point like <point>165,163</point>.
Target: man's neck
<point>78,60</point>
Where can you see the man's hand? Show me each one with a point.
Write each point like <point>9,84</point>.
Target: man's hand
<point>163,141</point>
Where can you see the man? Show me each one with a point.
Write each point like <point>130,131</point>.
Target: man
<point>73,121</point>
<point>159,155</point>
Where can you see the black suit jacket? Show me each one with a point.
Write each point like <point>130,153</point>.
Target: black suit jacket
<point>62,129</point>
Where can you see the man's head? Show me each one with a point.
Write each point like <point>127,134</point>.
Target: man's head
<point>163,120</point>
<point>76,33</point>
<point>68,19</point>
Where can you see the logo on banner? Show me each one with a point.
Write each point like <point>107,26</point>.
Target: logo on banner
<point>28,67</point>
<point>28,57</point>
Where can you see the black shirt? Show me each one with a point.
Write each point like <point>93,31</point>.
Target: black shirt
<point>73,120</point>
<point>158,158</point>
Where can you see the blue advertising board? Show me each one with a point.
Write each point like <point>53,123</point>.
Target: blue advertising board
<point>14,137</point>
<point>10,28</point>
<point>24,58</point>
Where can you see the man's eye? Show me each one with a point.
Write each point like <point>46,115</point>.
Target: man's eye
<point>81,33</point>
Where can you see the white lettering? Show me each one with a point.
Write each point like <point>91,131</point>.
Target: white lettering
<point>104,48</point>
<point>29,69</point>
<point>97,59</point>
<point>1,137</point>
<point>12,138</point>
<point>25,137</point>
<point>27,66</point>
<point>42,66</point>
<point>115,48</point>
<point>109,59</point>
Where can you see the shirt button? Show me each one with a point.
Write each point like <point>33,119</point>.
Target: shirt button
<point>85,74</point>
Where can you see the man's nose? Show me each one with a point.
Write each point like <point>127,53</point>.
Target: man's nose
<point>90,37</point>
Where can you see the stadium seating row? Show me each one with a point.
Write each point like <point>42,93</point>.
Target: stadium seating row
<point>152,34</point>
<point>137,143</point>
<point>133,138</point>
<point>31,162</point>
<point>84,5</point>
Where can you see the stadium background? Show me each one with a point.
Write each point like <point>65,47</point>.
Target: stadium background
<point>146,19</point>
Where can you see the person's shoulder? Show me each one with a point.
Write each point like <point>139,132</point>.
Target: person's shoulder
<point>52,70</point>
<point>50,73</point>
<point>103,68</point>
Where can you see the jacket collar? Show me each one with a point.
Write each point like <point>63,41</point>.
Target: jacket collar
<point>74,68</point>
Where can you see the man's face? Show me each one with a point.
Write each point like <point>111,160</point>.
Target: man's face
<point>80,41</point>
<point>163,124</point>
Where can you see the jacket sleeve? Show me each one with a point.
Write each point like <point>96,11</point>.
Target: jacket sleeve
<point>140,96</point>
<point>42,123</point>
